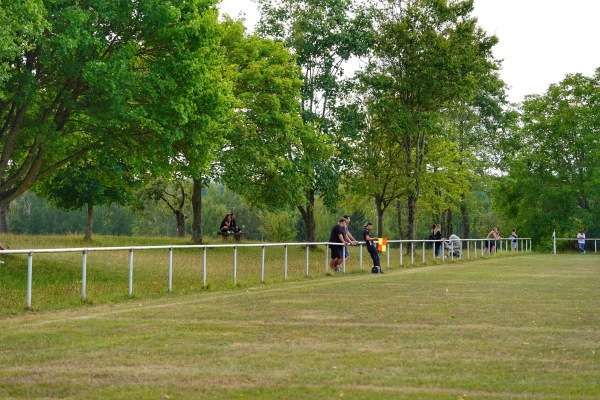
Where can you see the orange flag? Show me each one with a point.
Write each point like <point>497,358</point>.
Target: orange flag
<point>382,244</point>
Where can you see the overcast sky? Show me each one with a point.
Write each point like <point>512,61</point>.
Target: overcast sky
<point>540,40</point>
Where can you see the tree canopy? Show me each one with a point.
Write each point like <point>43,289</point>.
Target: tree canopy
<point>430,58</point>
<point>553,180</point>
<point>77,76</point>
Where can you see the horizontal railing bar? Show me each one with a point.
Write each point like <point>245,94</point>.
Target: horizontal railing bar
<point>209,246</point>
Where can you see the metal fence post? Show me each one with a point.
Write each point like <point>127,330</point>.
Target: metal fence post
<point>401,263</point>
<point>170,269</point>
<point>344,257</point>
<point>83,274</point>
<point>327,258</point>
<point>29,277</point>
<point>423,253</point>
<point>204,267</point>
<point>388,250</point>
<point>235,266</point>
<point>285,262</point>
<point>306,260</point>
<point>262,265</point>
<point>361,256</point>
<point>130,272</point>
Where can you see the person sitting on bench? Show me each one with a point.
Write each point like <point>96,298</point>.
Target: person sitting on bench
<point>225,224</point>
<point>232,224</point>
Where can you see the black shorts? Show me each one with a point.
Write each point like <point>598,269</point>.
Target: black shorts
<point>337,251</point>
<point>489,244</point>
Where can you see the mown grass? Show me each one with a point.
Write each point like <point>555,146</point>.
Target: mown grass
<point>499,328</point>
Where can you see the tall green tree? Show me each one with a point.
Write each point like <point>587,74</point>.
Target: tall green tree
<point>553,179</point>
<point>266,135</point>
<point>88,182</point>
<point>430,57</point>
<point>172,195</point>
<point>324,35</point>
<point>76,76</point>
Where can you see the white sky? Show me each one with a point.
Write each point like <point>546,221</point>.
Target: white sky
<point>540,40</point>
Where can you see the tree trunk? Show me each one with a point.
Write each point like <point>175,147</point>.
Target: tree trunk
<point>465,216</point>
<point>399,218</point>
<point>180,217</point>
<point>448,227</point>
<point>4,224</point>
<point>308,216</point>
<point>87,237</point>
<point>380,212</point>
<point>411,217</point>
<point>197,212</point>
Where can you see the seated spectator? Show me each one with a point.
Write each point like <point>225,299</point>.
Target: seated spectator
<point>225,223</point>
<point>232,224</point>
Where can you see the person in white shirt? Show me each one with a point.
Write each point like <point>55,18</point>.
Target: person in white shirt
<point>581,241</point>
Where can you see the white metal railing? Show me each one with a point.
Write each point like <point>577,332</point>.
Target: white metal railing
<point>525,245</point>
<point>586,240</point>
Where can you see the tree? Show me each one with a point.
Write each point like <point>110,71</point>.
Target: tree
<point>266,136</point>
<point>553,180</point>
<point>77,76</point>
<point>430,57</point>
<point>323,35</point>
<point>88,182</point>
<point>375,167</point>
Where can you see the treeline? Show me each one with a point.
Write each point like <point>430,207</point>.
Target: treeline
<point>131,107</point>
<point>33,215</point>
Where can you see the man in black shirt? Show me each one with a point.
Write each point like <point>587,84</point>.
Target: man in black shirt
<point>337,251</point>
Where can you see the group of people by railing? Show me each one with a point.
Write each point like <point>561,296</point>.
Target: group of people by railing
<point>341,237</point>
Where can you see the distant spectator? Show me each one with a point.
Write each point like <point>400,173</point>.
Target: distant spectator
<point>581,241</point>
<point>437,235</point>
<point>225,223</point>
<point>490,242</point>
<point>232,224</point>
<point>515,242</point>
<point>337,251</point>
<point>348,236</point>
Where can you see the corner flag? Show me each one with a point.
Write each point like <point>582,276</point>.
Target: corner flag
<point>382,245</point>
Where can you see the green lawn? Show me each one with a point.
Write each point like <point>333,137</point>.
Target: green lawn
<point>523,327</point>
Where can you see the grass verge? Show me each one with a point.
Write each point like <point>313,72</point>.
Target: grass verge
<point>501,328</point>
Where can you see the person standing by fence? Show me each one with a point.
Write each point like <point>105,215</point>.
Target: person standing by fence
<point>514,236</point>
<point>490,242</point>
<point>337,251</point>
<point>372,248</point>
<point>437,235</point>
<point>348,237</point>
<point>581,241</point>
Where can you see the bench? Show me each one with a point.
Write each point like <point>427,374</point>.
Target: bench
<point>237,235</point>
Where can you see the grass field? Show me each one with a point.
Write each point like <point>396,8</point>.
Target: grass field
<point>523,327</point>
